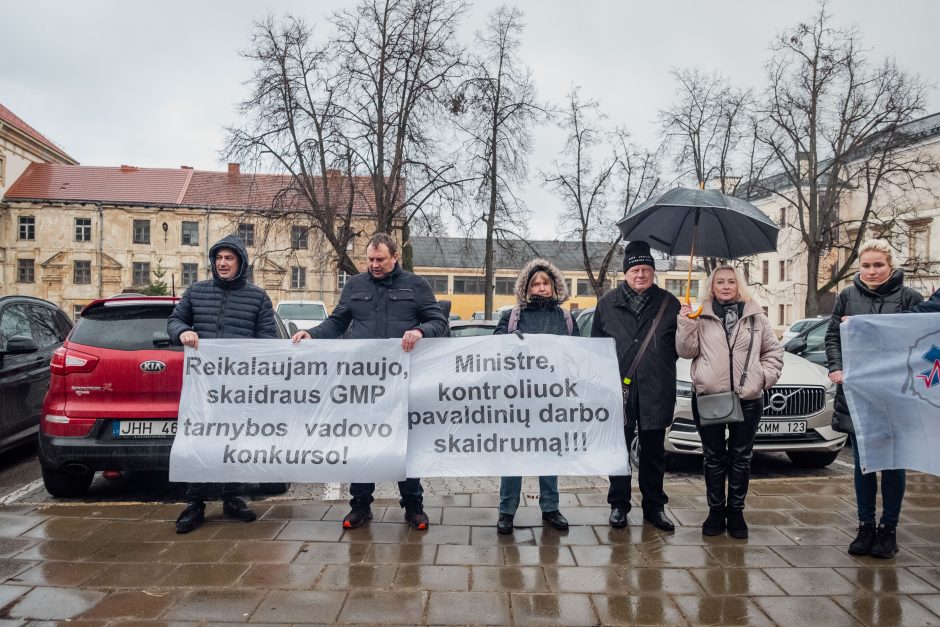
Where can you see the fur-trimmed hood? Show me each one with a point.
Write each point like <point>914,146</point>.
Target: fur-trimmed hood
<point>536,265</point>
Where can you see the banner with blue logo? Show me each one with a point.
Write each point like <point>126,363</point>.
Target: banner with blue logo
<point>891,365</point>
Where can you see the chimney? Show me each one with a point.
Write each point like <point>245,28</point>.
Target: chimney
<point>128,168</point>
<point>333,174</point>
<point>186,167</point>
<point>234,169</point>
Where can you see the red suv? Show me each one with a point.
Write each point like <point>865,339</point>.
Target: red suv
<point>114,397</point>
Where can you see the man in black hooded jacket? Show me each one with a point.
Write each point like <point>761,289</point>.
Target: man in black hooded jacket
<point>225,306</point>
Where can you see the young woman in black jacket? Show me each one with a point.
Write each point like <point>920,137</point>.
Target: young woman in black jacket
<point>878,288</point>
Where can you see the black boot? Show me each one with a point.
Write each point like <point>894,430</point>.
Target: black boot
<point>737,528</point>
<point>555,519</point>
<point>618,516</point>
<point>861,545</point>
<point>885,545</point>
<point>714,525</point>
<point>504,524</point>
<point>357,517</point>
<point>236,507</point>
<point>192,517</point>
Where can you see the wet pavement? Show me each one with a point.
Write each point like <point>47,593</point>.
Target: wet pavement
<point>114,563</point>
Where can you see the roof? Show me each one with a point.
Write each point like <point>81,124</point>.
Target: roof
<point>183,187</point>
<point>7,117</point>
<point>459,252</point>
<point>900,136</point>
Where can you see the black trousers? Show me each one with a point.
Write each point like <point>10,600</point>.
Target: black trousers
<point>412,494</point>
<point>208,491</point>
<point>652,466</point>
<point>729,459</point>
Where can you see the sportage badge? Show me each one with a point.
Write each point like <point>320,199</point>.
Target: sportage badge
<point>152,366</point>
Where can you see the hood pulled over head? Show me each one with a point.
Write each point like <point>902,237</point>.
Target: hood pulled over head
<point>529,270</point>
<point>232,242</point>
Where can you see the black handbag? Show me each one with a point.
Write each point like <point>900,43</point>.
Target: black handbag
<point>725,407</point>
<point>628,380</point>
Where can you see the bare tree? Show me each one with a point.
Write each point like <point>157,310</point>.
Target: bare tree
<point>293,123</point>
<point>496,108</point>
<point>586,184</point>
<point>397,60</point>
<point>835,126</point>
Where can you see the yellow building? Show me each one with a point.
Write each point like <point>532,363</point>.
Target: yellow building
<point>454,268</point>
<point>71,233</point>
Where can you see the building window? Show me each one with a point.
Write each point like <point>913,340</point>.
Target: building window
<point>468,285</point>
<point>81,273</point>
<point>919,242</point>
<point>82,229</point>
<point>584,288</point>
<point>190,273</point>
<point>298,278</point>
<point>505,285</point>
<point>764,272</point>
<point>783,270</point>
<point>782,314</point>
<point>789,270</point>
<point>783,217</point>
<point>298,237</point>
<point>77,312</point>
<point>25,271</point>
<point>438,282</point>
<point>341,278</point>
<point>141,272</point>
<point>2,164</point>
<point>27,227</point>
<point>190,234</point>
<point>746,268</point>
<point>247,233</point>
<point>141,231</point>
<point>676,287</point>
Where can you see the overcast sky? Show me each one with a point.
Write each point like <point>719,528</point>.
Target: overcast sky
<point>153,83</point>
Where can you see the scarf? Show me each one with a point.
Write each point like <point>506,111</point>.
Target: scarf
<point>635,301</point>
<point>729,313</point>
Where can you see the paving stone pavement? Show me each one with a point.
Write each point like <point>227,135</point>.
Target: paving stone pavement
<point>123,563</point>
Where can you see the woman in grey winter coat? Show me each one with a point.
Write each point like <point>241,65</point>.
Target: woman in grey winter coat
<point>540,290</point>
<point>878,288</point>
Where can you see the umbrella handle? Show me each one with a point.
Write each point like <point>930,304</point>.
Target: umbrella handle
<point>688,283</point>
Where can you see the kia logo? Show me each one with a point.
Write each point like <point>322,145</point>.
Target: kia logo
<point>153,366</point>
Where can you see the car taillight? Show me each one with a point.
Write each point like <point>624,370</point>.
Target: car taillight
<point>64,426</point>
<point>69,361</point>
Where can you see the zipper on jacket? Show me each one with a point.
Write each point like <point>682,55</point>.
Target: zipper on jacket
<point>218,324</point>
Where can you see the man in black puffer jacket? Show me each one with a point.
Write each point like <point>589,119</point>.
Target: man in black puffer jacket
<point>385,302</point>
<point>225,306</point>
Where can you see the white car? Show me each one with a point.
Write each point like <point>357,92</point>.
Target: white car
<point>797,327</point>
<point>305,314</point>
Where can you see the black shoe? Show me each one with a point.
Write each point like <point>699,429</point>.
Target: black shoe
<point>659,520</point>
<point>861,545</point>
<point>618,517</point>
<point>504,524</point>
<point>556,520</point>
<point>417,518</point>
<point>193,516</point>
<point>238,508</point>
<point>885,545</point>
<point>714,525</point>
<point>355,518</point>
<point>737,528</point>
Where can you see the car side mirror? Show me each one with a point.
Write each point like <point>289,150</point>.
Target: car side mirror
<point>292,328</point>
<point>21,345</point>
<point>796,346</point>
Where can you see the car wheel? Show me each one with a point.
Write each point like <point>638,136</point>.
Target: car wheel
<point>273,488</point>
<point>66,484</point>
<point>812,459</point>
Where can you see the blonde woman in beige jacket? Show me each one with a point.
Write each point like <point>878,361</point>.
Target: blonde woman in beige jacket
<point>713,341</point>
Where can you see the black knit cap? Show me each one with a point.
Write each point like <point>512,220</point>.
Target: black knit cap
<point>637,253</point>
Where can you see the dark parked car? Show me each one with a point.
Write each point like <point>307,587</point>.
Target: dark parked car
<point>114,397</point>
<point>810,343</point>
<point>30,330</point>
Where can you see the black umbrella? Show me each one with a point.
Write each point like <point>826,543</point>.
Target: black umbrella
<point>684,221</point>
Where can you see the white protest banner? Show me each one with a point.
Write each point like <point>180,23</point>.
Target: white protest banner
<point>270,410</point>
<point>501,405</point>
<point>891,365</point>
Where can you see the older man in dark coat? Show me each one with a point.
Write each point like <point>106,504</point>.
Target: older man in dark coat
<point>626,314</point>
<point>228,306</point>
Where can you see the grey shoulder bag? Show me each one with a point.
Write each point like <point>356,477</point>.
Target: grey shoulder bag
<point>725,407</point>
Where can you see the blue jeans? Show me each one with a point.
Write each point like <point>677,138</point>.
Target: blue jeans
<point>510,489</point>
<point>866,491</point>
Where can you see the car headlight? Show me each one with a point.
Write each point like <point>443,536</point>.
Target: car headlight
<point>684,389</point>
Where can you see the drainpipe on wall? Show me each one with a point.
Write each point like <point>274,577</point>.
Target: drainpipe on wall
<point>100,250</point>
